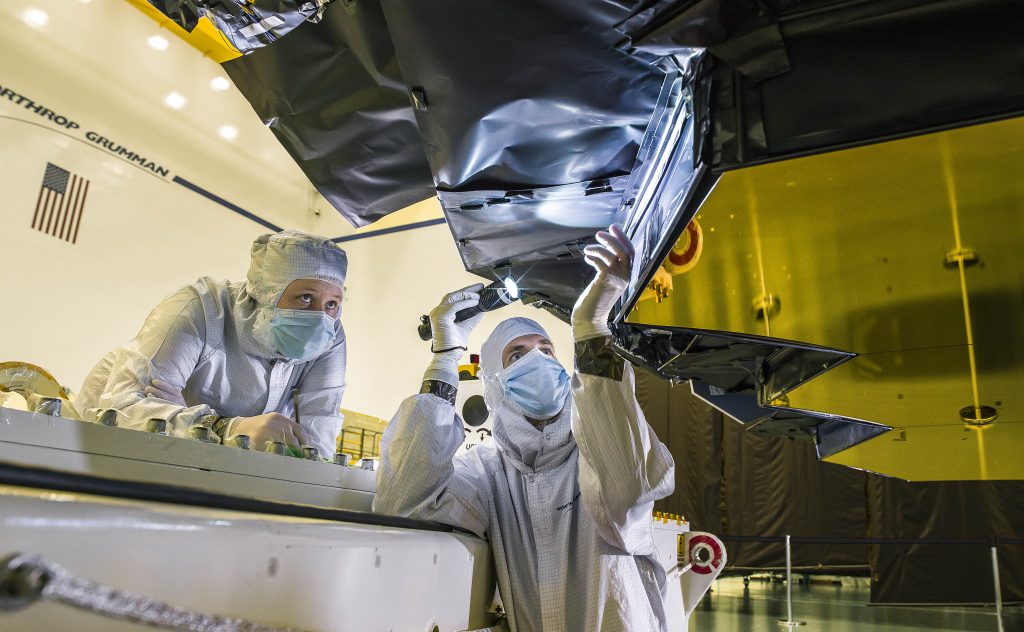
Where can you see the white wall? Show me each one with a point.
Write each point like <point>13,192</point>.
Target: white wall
<point>142,236</point>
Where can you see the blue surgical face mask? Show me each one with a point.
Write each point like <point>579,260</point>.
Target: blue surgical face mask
<point>537,383</point>
<point>302,334</point>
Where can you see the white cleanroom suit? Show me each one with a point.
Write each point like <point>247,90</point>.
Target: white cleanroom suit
<point>567,509</point>
<point>212,341</point>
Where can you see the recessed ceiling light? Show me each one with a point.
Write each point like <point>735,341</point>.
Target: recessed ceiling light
<point>36,18</point>
<point>158,42</point>
<point>175,100</point>
<point>220,83</point>
<point>227,132</point>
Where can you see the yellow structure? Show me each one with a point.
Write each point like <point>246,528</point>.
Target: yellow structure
<point>205,37</point>
<point>360,435</point>
<point>906,253</point>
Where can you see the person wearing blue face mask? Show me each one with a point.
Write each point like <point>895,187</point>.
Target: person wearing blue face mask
<point>565,493</point>
<point>230,354</point>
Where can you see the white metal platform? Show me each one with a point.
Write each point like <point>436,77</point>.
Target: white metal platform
<point>74,446</point>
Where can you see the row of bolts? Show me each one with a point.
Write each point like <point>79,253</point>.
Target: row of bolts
<point>661,516</point>
<point>52,406</point>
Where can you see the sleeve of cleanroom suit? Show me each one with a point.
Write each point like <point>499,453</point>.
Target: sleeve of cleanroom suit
<point>418,477</point>
<point>623,467</point>
<point>168,347</point>
<point>321,388</point>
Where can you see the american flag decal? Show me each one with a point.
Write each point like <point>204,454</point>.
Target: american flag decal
<point>60,203</point>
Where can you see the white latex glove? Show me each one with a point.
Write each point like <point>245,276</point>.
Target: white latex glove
<point>448,334</point>
<point>612,258</point>
<point>165,391</point>
<point>269,427</point>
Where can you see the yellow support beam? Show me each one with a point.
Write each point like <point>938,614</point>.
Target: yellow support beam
<point>205,37</point>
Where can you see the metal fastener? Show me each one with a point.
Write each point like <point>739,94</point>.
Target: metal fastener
<point>202,433</point>
<point>156,426</point>
<point>238,441</point>
<point>108,418</point>
<point>46,406</point>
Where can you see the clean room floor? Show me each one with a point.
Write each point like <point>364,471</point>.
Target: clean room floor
<point>845,608</point>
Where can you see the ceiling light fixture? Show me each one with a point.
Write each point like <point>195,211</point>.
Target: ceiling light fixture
<point>158,42</point>
<point>36,18</point>
<point>175,100</point>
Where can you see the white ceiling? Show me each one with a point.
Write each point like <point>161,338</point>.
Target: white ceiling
<point>91,61</point>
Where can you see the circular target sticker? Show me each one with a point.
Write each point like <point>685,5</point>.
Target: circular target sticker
<point>686,251</point>
<point>705,554</point>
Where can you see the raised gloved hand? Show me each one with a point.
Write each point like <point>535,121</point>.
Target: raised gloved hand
<point>268,427</point>
<point>448,334</point>
<point>165,391</point>
<point>612,258</point>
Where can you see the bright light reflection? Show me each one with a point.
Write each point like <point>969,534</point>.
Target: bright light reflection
<point>563,212</point>
<point>158,42</point>
<point>175,100</point>
<point>116,167</point>
<point>227,132</point>
<point>511,288</point>
<point>101,524</point>
<point>220,84</point>
<point>36,18</point>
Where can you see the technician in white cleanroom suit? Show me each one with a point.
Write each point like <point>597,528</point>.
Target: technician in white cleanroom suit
<point>565,494</point>
<point>229,354</point>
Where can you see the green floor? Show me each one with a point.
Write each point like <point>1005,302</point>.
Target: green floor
<point>837,608</point>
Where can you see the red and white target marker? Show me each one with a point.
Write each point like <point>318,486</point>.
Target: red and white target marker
<point>705,554</point>
<point>686,251</point>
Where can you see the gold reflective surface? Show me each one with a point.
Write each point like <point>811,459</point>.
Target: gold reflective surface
<point>906,252</point>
